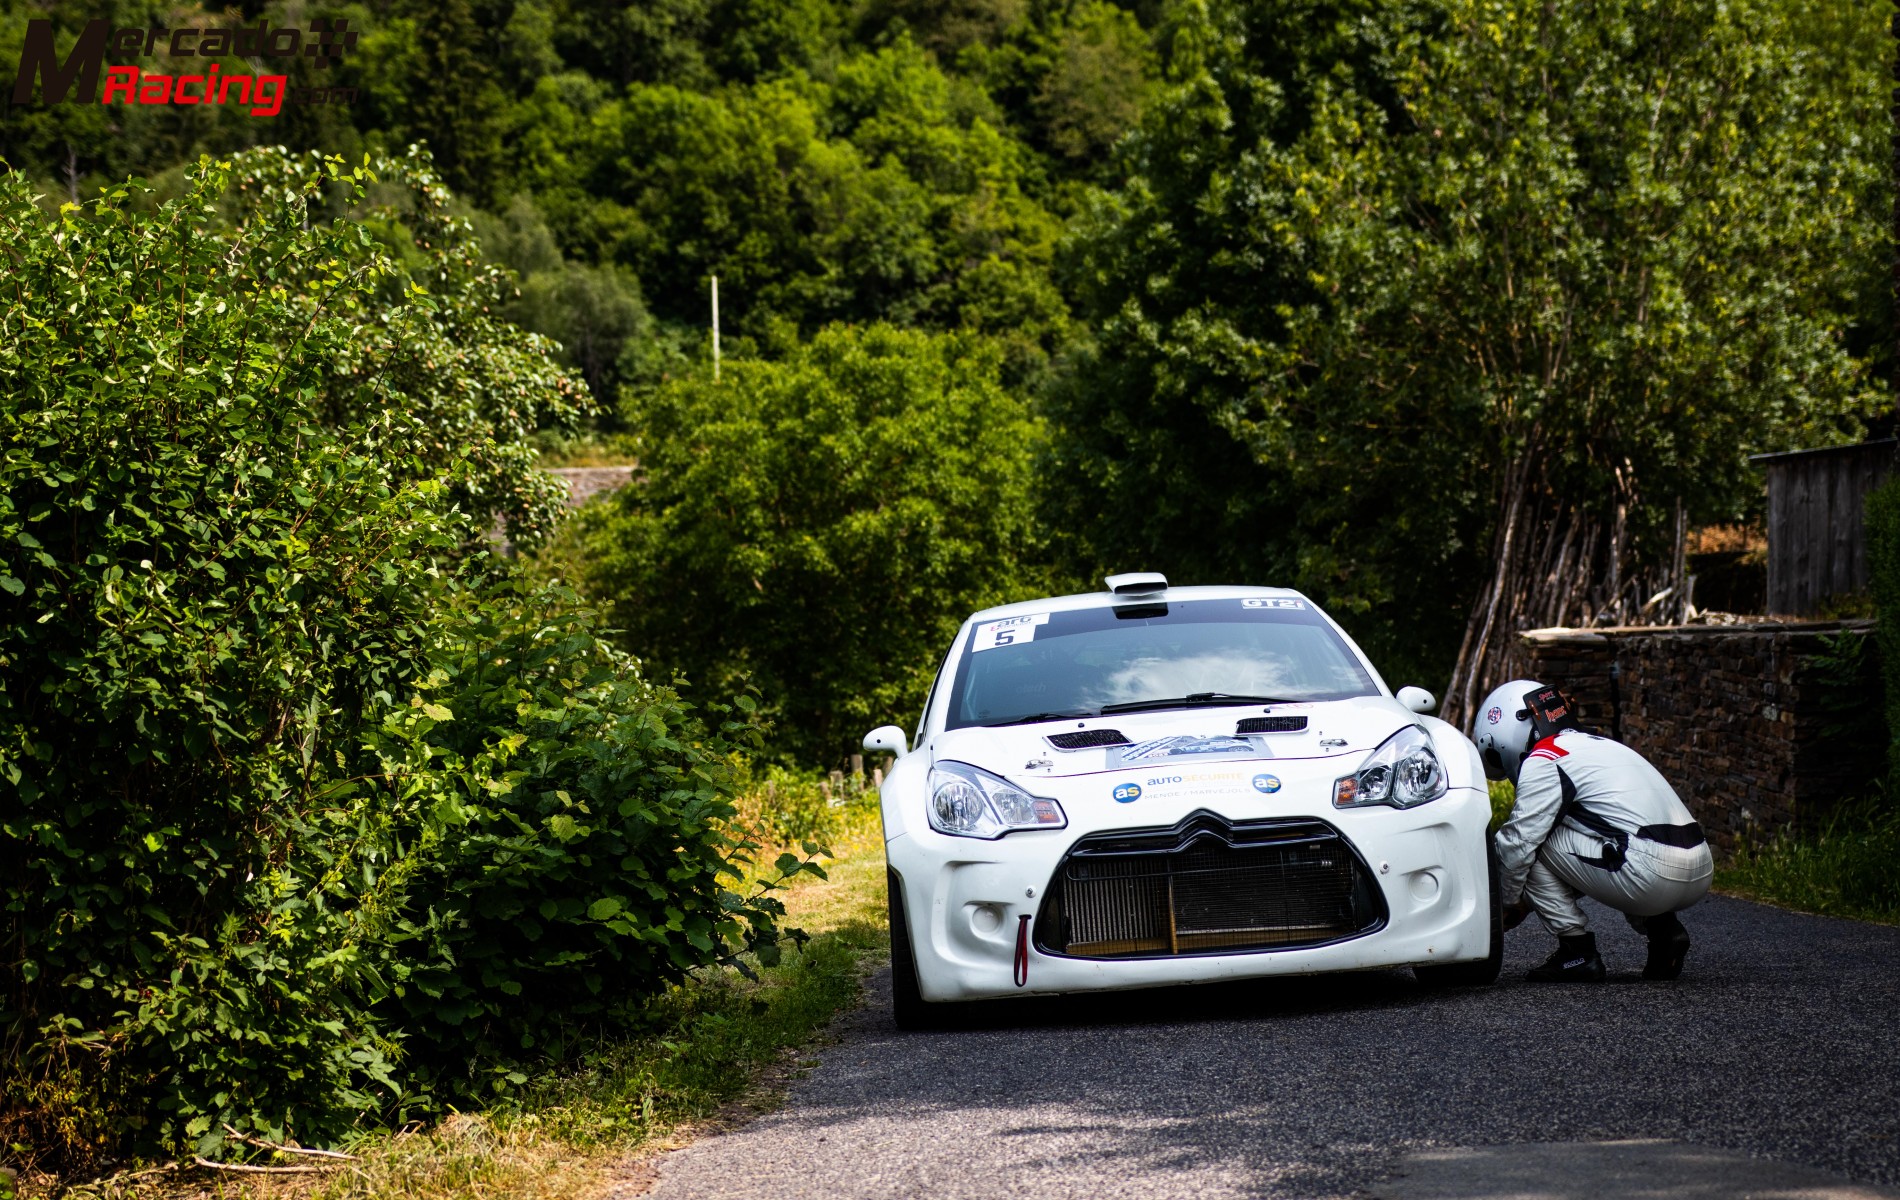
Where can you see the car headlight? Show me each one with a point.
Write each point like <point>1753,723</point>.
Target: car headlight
<point>1403,772</point>
<point>967,801</point>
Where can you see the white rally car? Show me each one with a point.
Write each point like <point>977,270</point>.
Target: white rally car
<point>1158,785</point>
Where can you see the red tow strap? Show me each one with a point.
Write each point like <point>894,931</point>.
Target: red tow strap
<point>1022,950</point>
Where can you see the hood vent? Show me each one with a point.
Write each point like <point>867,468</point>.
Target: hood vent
<point>1271,725</point>
<point>1083,739</point>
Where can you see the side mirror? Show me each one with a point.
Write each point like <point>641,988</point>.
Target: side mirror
<point>1417,699</point>
<point>889,738</point>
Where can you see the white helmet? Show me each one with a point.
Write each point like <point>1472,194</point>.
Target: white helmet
<point>1504,731</point>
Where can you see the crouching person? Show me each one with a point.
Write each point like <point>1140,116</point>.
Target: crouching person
<point>1592,818</point>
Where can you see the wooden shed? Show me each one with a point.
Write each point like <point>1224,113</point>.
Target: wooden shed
<point>1817,547</point>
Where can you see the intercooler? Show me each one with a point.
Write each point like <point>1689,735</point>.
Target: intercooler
<point>1208,886</point>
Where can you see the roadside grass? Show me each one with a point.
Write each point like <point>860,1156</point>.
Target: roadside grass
<point>714,1043</point>
<point>1851,868</point>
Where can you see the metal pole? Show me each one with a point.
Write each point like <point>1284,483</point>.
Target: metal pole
<point>715,290</point>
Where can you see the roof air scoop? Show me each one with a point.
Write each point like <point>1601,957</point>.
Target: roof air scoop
<point>1137,583</point>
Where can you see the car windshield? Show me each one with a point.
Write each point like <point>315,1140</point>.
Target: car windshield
<point>1177,654</point>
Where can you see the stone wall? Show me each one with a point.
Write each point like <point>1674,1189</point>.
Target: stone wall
<point>1737,717</point>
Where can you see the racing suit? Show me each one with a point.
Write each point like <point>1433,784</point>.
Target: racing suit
<point>1594,818</point>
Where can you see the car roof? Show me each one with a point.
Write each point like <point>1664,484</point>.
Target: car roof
<point>1107,599</point>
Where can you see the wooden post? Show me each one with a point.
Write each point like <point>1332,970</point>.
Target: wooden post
<point>857,764</point>
<point>715,300</point>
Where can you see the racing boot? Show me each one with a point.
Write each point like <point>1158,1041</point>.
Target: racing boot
<point>1575,961</point>
<point>1668,946</point>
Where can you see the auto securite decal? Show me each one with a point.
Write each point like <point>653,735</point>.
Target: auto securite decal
<point>1266,783</point>
<point>1272,602</point>
<point>1184,782</point>
<point>1009,631</point>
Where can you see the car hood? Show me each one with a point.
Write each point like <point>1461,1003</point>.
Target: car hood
<point>1183,737</point>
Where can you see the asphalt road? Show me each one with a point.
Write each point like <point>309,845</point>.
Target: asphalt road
<point>1782,1040</point>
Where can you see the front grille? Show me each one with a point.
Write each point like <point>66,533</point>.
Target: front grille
<point>1208,886</point>
<point>1271,725</point>
<point>1086,738</point>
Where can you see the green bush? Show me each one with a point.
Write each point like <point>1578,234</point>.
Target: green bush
<point>578,836</point>
<point>820,525</point>
<point>200,584</point>
<point>299,799</point>
<point>1883,568</point>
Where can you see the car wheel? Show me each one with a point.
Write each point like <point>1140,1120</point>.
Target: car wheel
<point>1485,970</point>
<point>908,1005</point>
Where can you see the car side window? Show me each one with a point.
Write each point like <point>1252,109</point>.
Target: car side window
<point>936,681</point>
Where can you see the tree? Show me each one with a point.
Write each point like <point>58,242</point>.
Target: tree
<point>1476,289</point>
<point>1187,282</point>
<point>818,526</point>
<point>1097,84</point>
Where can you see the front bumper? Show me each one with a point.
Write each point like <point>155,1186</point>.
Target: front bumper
<point>964,899</point>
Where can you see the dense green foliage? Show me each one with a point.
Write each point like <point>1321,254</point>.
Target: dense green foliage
<point>303,803</point>
<point>426,335</point>
<point>1366,285</point>
<point>821,523</point>
<point>1388,275</point>
<point>828,159</point>
<point>573,854</point>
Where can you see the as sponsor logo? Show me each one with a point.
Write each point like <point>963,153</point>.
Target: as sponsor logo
<point>1127,793</point>
<point>75,78</point>
<point>1266,783</point>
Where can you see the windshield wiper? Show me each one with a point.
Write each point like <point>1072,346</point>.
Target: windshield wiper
<point>1192,700</point>
<point>1032,718</point>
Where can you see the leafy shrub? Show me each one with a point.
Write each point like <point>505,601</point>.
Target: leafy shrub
<point>1846,686</point>
<point>251,853</point>
<point>578,834</point>
<point>223,604</point>
<point>1883,569</point>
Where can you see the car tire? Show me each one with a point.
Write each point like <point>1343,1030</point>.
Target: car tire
<point>1485,970</point>
<point>908,1005</point>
